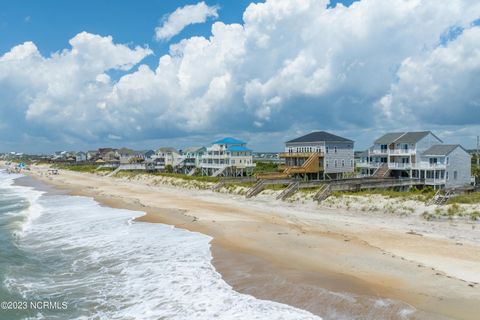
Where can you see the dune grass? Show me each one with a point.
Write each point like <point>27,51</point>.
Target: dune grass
<point>467,198</point>
<point>424,194</point>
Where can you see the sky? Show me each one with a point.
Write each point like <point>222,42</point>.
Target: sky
<point>78,75</point>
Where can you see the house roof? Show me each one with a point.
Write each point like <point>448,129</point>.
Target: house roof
<point>403,137</point>
<point>193,149</point>
<point>229,140</point>
<point>317,136</point>
<point>389,137</point>
<point>441,149</point>
<point>412,137</point>
<point>125,151</point>
<point>237,149</point>
<point>167,150</point>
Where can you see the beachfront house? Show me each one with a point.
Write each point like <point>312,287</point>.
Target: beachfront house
<point>419,155</point>
<point>128,156</point>
<point>317,155</point>
<point>192,159</point>
<point>80,157</point>
<point>92,155</point>
<point>167,156</point>
<point>227,157</point>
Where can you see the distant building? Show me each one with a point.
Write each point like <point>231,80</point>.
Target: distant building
<point>419,155</point>
<point>92,155</point>
<point>80,157</point>
<point>192,159</point>
<point>318,155</point>
<point>227,157</point>
<point>127,156</point>
<point>167,156</point>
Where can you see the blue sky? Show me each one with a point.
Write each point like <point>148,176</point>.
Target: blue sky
<point>73,75</point>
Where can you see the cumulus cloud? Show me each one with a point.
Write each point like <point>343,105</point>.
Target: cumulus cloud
<point>183,17</point>
<point>290,66</point>
<point>439,86</point>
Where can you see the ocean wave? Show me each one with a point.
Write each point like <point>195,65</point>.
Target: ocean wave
<point>104,265</point>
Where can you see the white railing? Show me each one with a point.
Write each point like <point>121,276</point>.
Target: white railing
<point>435,181</point>
<point>420,166</point>
<point>393,151</point>
<point>426,165</point>
<point>395,165</point>
<point>402,151</point>
<point>379,151</point>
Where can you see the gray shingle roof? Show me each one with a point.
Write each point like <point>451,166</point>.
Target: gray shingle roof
<point>319,136</point>
<point>168,150</point>
<point>193,149</point>
<point>389,137</point>
<point>440,149</point>
<point>412,137</point>
<point>403,137</point>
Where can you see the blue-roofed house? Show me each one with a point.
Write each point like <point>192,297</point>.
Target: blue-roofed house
<point>227,157</point>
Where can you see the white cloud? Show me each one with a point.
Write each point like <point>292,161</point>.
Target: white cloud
<point>291,64</point>
<point>441,86</point>
<point>183,17</point>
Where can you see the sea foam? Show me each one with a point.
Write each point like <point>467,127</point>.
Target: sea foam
<point>106,266</point>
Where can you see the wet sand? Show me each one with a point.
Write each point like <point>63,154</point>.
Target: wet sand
<point>319,265</point>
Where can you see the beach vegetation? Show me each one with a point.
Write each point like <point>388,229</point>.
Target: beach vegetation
<point>423,194</point>
<point>475,215</point>
<point>467,198</point>
<point>87,168</point>
<point>262,167</point>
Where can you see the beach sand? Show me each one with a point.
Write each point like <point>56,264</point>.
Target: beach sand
<point>333,263</point>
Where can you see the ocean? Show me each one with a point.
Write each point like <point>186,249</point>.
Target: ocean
<point>67,257</point>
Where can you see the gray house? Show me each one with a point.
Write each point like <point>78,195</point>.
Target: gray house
<point>453,162</point>
<point>420,155</point>
<point>318,155</point>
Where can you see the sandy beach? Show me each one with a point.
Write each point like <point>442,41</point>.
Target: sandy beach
<point>324,260</point>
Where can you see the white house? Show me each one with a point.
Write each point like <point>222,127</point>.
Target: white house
<point>80,156</point>
<point>192,159</point>
<point>167,156</point>
<point>420,155</point>
<point>227,157</point>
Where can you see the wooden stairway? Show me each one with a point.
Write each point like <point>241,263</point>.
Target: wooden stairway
<point>219,171</point>
<point>256,189</point>
<point>289,190</point>
<point>323,193</point>
<point>382,171</point>
<point>441,197</point>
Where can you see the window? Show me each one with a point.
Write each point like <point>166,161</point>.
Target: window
<point>335,163</point>
<point>343,163</point>
<point>455,175</point>
<point>326,148</point>
<point>351,162</point>
<point>335,149</point>
<point>446,175</point>
<point>233,161</point>
<point>446,160</point>
<point>326,163</point>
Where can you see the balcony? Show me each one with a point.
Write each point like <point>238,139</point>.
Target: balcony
<point>379,152</point>
<point>418,166</point>
<point>402,151</point>
<point>298,154</point>
<point>436,181</point>
<point>393,152</point>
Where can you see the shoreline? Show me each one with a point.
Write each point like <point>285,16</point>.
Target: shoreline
<point>288,260</point>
